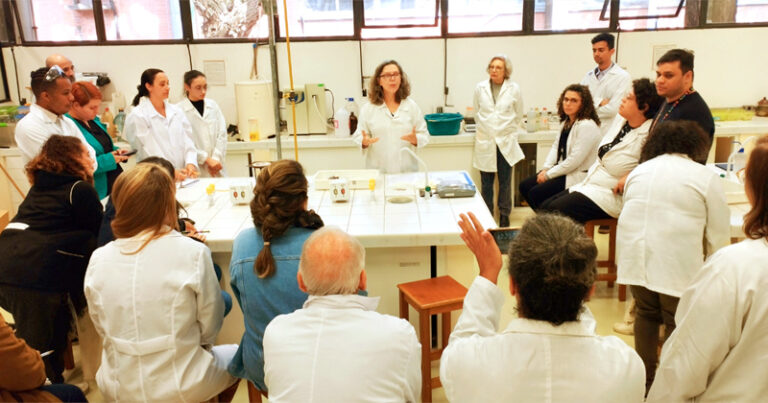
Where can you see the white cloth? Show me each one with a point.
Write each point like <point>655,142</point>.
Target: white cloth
<point>580,152</point>
<point>33,131</point>
<point>498,124</point>
<point>338,349</point>
<point>158,312</point>
<point>153,134</point>
<point>209,131</point>
<point>605,173</point>
<point>672,206</point>
<point>532,360</point>
<point>718,351</point>
<point>377,121</point>
<point>613,84</point>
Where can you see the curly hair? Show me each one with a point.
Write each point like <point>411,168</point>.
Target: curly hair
<point>552,263</point>
<point>677,137</point>
<point>756,184</point>
<point>278,204</point>
<point>60,155</point>
<point>587,109</point>
<point>376,92</point>
<point>645,94</point>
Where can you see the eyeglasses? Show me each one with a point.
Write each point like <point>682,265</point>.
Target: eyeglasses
<point>53,73</point>
<point>391,76</point>
<point>495,68</point>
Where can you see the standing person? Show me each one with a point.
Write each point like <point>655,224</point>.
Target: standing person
<point>499,105</point>
<point>64,63</point>
<point>265,260</point>
<point>160,129</point>
<point>209,130</point>
<point>154,298</point>
<point>658,259</point>
<point>53,98</point>
<point>84,111</point>
<point>717,352</point>
<point>45,248</point>
<point>607,81</point>
<point>390,122</point>
<point>573,151</point>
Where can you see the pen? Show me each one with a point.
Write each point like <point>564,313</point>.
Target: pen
<point>45,354</point>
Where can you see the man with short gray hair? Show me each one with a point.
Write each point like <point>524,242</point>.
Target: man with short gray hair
<point>337,348</point>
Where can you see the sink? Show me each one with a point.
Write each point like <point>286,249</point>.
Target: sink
<point>734,191</point>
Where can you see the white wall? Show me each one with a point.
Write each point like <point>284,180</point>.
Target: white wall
<point>730,68</point>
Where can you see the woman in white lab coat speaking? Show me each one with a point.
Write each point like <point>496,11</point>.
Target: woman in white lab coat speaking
<point>498,103</point>
<point>717,352</point>
<point>674,215</point>
<point>390,122</point>
<point>209,129</point>
<point>160,129</point>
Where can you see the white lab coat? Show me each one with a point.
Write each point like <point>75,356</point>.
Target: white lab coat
<point>580,152</point>
<point>33,131</point>
<point>498,124</point>
<point>337,348</point>
<point>605,173</point>
<point>672,206</point>
<point>717,352</point>
<point>377,121</point>
<point>533,360</point>
<point>153,134</point>
<point>613,85</point>
<point>209,131</point>
<point>158,313</point>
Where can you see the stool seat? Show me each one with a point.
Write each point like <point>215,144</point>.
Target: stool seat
<point>433,292</point>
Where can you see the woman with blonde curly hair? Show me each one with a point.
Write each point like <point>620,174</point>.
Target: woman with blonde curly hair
<point>265,260</point>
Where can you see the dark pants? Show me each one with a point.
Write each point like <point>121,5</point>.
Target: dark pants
<point>66,393</point>
<point>653,309</point>
<point>43,321</point>
<point>536,193</point>
<point>575,205</point>
<point>505,185</point>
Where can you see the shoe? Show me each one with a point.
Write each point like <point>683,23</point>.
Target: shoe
<point>504,221</point>
<point>624,328</point>
<point>604,229</point>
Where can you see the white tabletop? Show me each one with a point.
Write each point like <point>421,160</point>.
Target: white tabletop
<point>367,216</point>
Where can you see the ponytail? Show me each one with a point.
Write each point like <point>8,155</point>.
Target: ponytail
<point>147,77</point>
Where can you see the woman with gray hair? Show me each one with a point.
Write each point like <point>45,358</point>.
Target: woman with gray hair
<point>498,103</point>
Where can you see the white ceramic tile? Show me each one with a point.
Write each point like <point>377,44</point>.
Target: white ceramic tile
<point>362,219</point>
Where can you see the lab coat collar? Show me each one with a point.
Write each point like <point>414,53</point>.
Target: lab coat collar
<point>149,110</point>
<point>129,245</point>
<point>352,301</point>
<point>48,115</point>
<point>583,327</point>
<point>186,106</point>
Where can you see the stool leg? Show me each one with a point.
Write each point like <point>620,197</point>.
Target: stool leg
<point>426,359</point>
<point>403,306</point>
<point>69,357</point>
<point>622,292</point>
<point>612,253</point>
<point>446,328</point>
<point>254,395</point>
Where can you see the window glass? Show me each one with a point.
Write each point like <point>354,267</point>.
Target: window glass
<point>630,9</point>
<point>57,20</point>
<point>561,15</point>
<point>228,19</point>
<point>127,20</point>
<point>317,18</point>
<point>4,36</point>
<point>737,11</point>
<point>466,16</point>
<point>389,13</point>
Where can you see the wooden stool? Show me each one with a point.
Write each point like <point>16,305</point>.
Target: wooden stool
<point>69,356</point>
<point>256,165</point>
<point>610,263</point>
<point>440,295</point>
<point>254,395</point>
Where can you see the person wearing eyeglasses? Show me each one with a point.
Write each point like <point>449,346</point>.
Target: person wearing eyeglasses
<point>157,128</point>
<point>64,63</point>
<point>390,122</point>
<point>53,98</point>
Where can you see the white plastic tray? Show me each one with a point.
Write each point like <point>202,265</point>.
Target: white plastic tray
<point>356,178</point>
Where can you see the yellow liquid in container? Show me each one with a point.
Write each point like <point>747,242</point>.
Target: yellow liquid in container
<point>253,129</point>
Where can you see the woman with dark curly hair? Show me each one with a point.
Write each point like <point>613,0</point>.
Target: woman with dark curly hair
<point>572,152</point>
<point>46,247</point>
<point>672,202</point>
<point>598,196</point>
<point>265,260</point>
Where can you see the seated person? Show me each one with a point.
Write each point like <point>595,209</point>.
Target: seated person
<point>265,260</point>
<point>551,352</point>
<point>598,196</point>
<point>155,301</point>
<point>717,353</point>
<point>337,348</point>
<point>572,152</point>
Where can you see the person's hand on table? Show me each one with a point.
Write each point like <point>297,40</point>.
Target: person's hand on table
<point>213,166</point>
<point>411,137</point>
<point>191,171</point>
<point>482,245</point>
<point>542,176</point>
<point>368,140</point>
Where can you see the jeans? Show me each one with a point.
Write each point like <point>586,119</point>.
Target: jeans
<point>653,309</point>
<point>505,188</point>
<point>225,295</point>
<point>65,393</point>
<point>574,205</point>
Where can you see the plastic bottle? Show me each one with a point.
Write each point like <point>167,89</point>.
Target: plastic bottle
<point>739,161</point>
<point>354,112</point>
<point>530,121</point>
<point>341,123</point>
<point>120,120</point>
<point>543,120</point>
<point>352,122</point>
<point>553,121</point>
<point>109,121</point>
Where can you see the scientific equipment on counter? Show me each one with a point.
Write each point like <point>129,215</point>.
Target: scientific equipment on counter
<point>108,119</point>
<point>345,122</point>
<point>339,191</point>
<point>469,120</point>
<point>372,188</point>
<point>530,121</point>
<point>400,193</point>
<point>240,193</point>
<point>311,113</point>
<point>762,107</point>
<point>120,120</point>
<point>459,186</point>
<point>210,190</point>
<point>255,106</point>
<point>356,178</point>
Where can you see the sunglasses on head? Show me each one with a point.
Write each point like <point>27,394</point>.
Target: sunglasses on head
<point>53,73</point>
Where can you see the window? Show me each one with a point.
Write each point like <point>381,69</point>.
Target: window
<point>57,20</point>
<point>475,16</point>
<point>6,22</point>
<point>317,18</point>
<point>4,93</point>
<point>561,15</point>
<point>400,18</point>
<point>126,20</point>
<point>639,14</point>
<point>228,19</point>
<point>737,11</point>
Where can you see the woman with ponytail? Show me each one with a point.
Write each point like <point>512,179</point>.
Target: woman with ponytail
<point>157,128</point>
<point>265,260</point>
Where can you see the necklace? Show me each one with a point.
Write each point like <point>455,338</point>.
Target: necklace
<point>674,105</point>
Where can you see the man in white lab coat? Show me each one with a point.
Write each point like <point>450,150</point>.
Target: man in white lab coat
<point>551,352</point>
<point>607,82</point>
<point>337,348</point>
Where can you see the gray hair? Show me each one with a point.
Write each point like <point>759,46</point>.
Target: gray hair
<point>507,64</point>
<point>331,262</point>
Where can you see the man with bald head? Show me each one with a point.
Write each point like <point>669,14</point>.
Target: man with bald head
<point>64,64</point>
<point>337,347</point>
